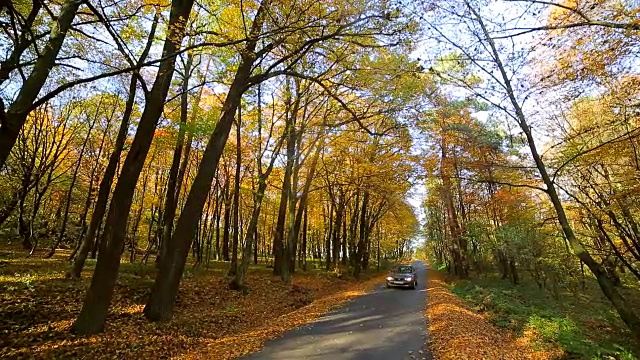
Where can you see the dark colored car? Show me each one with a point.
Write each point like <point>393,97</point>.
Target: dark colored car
<point>403,276</point>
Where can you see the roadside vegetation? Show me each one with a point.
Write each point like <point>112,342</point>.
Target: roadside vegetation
<point>581,322</point>
<point>531,156</point>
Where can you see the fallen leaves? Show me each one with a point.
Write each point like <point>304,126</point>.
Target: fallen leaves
<point>249,341</point>
<point>457,332</point>
<point>211,321</point>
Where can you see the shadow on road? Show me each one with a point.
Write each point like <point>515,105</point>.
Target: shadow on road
<point>385,324</point>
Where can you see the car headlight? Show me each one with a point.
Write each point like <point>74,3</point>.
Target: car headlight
<point>409,278</point>
<point>389,278</point>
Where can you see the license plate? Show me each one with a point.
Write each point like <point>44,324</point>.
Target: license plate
<point>397,282</point>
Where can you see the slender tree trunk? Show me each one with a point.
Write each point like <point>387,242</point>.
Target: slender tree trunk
<point>239,277</point>
<point>337,229</point>
<point>303,252</point>
<point>95,308</point>
<point>218,215</point>
<point>74,177</point>
<point>89,242</point>
<point>171,200</point>
<point>89,198</point>
<point>328,240</point>
<point>624,309</point>
<point>361,247</point>
<point>227,221</point>
<point>236,198</point>
<point>289,197</point>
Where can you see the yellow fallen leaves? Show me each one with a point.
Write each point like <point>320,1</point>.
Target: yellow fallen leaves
<point>211,321</point>
<point>457,332</point>
<point>249,341</point>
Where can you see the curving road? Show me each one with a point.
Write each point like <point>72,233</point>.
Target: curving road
<point>386,324</point>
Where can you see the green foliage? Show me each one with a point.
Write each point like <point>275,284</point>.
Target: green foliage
<point>567,323</point>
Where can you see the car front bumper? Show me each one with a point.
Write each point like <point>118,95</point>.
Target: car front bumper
<point>404,283</point>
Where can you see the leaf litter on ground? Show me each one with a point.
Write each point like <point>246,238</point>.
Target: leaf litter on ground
<point>38,306</point>
<point>458,332</point>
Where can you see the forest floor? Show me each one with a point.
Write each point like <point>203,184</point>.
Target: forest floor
<point>488,318</point>
<point>38,306</point>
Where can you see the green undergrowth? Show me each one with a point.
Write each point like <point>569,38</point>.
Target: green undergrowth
<point>582,323</point>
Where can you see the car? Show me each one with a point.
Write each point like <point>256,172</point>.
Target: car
<point>402,276</point>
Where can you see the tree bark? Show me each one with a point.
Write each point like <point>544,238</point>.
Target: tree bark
<point>624,309</point>
<point>171,199</point>
<point>95,308</point>
<point>227,221</point>
<point>74,177</point>
<point>89,241</point>
<point>165,288</point>
<point>17,113</point>
<point>236,198</point>
<point>361,247</point>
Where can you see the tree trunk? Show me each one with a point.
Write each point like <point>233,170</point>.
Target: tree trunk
<point>361,247</point>
<point>327,249</point>
<point>95,308</point>
<point>250,237</point>
<point>171,199</point>
<point>452,216</point>
<point>337,229</point>
<point>623,308</point>
<point>89,241</point>
<point>236,199</point>
<point>89,198</point>
<point>74,177</point>
<point>218,215</point>
<point>165,288</point>
<point>19,110</point>
<point>227,221</point>
<point>303,250</point>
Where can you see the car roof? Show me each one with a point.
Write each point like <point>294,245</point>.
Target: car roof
<point>403,266</point>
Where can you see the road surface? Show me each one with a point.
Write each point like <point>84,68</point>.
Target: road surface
<point>386,324</point>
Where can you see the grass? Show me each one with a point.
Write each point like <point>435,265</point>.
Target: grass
<point>583,324</point>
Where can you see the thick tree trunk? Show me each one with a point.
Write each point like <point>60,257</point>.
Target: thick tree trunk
<point>95,308</point>
<point>165,288</point>
<point>19,110</point>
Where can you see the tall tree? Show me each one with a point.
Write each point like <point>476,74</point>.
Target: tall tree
<point>95,308</point>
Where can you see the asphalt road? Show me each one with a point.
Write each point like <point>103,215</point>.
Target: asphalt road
<point>386,324</point>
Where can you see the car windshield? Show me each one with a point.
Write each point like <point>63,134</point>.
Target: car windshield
<point>403,270</point>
